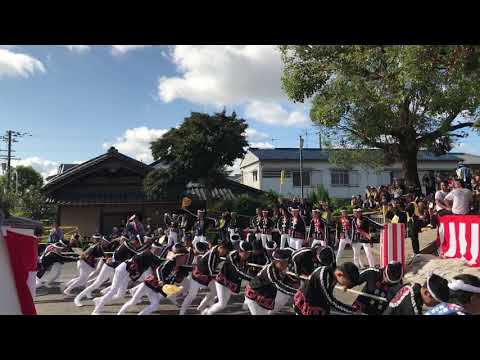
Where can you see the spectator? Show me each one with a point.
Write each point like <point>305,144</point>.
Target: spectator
<point>459,200</point>
<point>440,207</point>
<point>354,202</point>
<point>56,234</point>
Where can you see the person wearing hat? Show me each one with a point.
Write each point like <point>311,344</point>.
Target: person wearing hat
<point>234,227</point>
<point>266,227</point>
<point>56,234</point>
<point>361,237</point>
<point>204,274</point>
<point>344,233</point>
<point>133,269</point>
<point>229,279</point>
<point>135,227</point>
<point>261,292</point>
<point>411,298</point>
<point>256,222</point>
<point>283,226</point>
<point>200,227</point>
<point>166,271</point>
<point>464,173</point>
<point>297,230</point>
<point>125,251</point>
<point>87,263</point>
<point>383,282</point>
<point>317,229</point>
<point>315,296</point>
<point>464,297</point>
<point>51,263</point>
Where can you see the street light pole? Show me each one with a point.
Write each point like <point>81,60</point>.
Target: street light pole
<point>301,164</point>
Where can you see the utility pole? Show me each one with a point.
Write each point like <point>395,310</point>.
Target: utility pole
<point>301,164</point>
<point>11,137</point>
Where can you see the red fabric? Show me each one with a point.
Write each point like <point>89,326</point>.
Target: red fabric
<point>393,240</point>
<point>458,236</point>
<point>22,250</point>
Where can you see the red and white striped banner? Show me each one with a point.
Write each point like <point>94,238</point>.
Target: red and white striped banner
<point>459,237</point>
<point>392,244</point>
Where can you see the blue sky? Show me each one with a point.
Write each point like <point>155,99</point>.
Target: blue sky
<point>76,101</point>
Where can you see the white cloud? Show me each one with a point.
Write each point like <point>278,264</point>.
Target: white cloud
<point>235,169</point>
<point>273,113</point>
<point>43,166</point>
<point>262,145</point>
<point>136,142</point>
<point>78,48</point>
<point>17,64</point>
<point>255,135</point>
<point>122,49</point>
<point>224,74</point>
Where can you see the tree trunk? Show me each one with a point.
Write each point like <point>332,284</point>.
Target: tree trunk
<point>409,169</point>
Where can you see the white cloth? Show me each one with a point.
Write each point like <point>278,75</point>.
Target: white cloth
<point>296,243</point>
<point>119,279</point>
<point>357,259</point>
<point>106,273</point>
<point>265,238</point>
<point>224,294</point>
<point>194,286</point>
<point>280,301</point>
<point>135,299</point>
<point>50,276</point>
<point>84,270</point>
<point>254,308</point>
<point>462,198</point>
<point>199,238</point>
<point>284,241</point>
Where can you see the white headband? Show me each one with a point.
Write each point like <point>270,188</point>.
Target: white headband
<point>456,285</point>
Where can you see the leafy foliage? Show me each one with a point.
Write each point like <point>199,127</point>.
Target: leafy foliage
<point>198,150</point>
<point>320,194</point>
<point>399,99</point>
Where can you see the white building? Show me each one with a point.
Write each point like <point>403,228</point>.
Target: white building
<point>261,168</point>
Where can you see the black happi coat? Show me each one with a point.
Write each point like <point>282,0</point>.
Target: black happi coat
<point>304,261</point>
<point>207,267</point>
<point>235,225</point>
<point>259,259</point>
<point>263,287</point>
<point>123,253</point>
<point>407,301</point>
<point>283,224</point>
<point>233,271</point>
<point>256,223</point>
<point>165,273</point>
<point>266,225</point>
<point>315,297</point>
<point>297,227</point>
<point>318,229</point>
<point>364,225</point>
<point>93,253</point>
<point>375,284</point>
<point>49,257</point>
<point>200,228</point>
<point>138,264</point>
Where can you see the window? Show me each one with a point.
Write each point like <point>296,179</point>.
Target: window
<point>296,178</point>
<point>345,178</point>
<point>255,175</point>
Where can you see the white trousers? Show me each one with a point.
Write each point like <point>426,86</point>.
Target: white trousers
<point>192,294</point>
<point>258,236</point>
<point>280,301</point>
<point>31,282</point>
<point>321,242</point>
<point>341,247</point>
<point>254,308</point>
<point>199,238</point>
<point>106,273</point>
<point>357,259</point>
<point>224,294</point>
<point>296,243</point>
<point>265,238</point>
<point>172,238</point>
<point>81,280</point>
<point>284,241</point>
<point>50,276</point>
<point>119,279</point>
<point>93,275</point>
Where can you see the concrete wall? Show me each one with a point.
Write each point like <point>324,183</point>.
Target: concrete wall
<point>87,218</point>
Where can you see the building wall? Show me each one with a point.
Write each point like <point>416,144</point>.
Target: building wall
<point>86,218</point>
<point>321,174</point>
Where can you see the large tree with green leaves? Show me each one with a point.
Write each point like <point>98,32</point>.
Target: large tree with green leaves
<point>199,150</point>
<point>399,99</point>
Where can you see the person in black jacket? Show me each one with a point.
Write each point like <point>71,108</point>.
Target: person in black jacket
<point>51,263</point>
<point>229,279</point>
<point>261,292</point>
<point>384,283</point>
<point>409,300</point>
<point>315,297</point>
<point>204,274</point>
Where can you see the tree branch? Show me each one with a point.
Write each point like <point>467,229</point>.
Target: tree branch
<point>364,138</point>
<point>442,131</point>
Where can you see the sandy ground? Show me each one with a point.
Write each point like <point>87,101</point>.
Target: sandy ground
<point>51,301</point>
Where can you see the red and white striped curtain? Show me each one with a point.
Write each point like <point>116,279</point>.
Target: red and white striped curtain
<point>459,237</point>
<point>392,244</point>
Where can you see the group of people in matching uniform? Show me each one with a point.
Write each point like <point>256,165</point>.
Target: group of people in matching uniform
<point>275,263</point>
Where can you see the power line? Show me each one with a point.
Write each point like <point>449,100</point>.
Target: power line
<point>11,137</point>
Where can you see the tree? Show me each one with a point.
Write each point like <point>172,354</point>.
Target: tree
<point>399,99</point>
<point>28,177</point>
<point>199,151</point>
